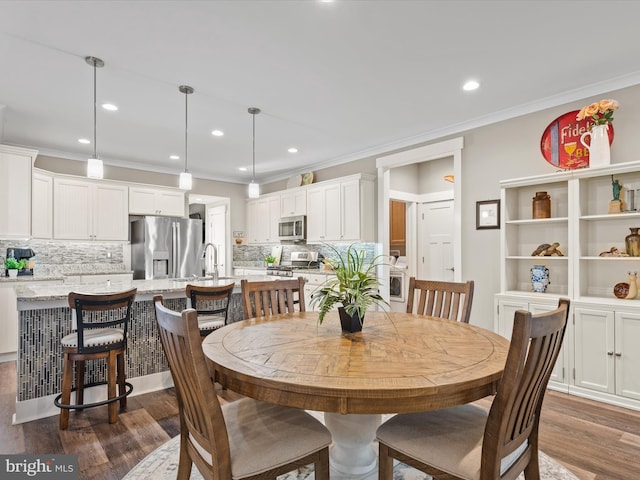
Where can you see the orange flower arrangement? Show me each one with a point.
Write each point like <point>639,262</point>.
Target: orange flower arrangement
<point>601,112</point>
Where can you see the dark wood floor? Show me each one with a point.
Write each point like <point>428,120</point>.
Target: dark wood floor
<point>594,440</point>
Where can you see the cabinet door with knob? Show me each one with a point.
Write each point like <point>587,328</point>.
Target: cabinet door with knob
<point>606,351</point>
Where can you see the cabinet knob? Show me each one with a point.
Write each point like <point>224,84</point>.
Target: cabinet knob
<point>618,354</point>
<point>610,353</point>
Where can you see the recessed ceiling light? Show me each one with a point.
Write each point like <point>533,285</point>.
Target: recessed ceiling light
<point>174,157</point>
<point>470,85</point>
<point>293,150</point>
<point>109,106</point>
<point>217,133</point>
<point>242,169</point>
<point>84,141</point>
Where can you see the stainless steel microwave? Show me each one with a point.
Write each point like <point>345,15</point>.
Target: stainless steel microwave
<point>293,228</point>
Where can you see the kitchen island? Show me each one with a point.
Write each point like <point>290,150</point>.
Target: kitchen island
<point>45,317</point>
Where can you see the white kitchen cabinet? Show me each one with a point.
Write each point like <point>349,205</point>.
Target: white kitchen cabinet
<point>263,216</point>
<point>41,205</point>
<point>507,306</point>
<point>293,202</point>
<point>15,189</point>
<point>606,351</point>
<point>87,210</point>
<point>156,201</point>
<point>341,210</point>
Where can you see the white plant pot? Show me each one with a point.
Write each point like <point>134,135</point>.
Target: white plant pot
<point>13,272</point>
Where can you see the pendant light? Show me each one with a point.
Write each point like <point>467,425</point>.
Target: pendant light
<point>186,180</point>
<point>94,165</point>
<point>254,188</point>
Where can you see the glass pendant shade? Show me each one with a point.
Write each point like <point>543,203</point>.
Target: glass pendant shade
<point>254,190</point>
<point>186,182</point>
<point>94,168</point>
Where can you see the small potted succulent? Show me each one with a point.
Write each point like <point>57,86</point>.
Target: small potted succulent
<point>12,265</point>
<point>354,287</point>
<point>269,260</point>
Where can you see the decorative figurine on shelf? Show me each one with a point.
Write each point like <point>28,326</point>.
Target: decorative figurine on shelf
<point>615,205</point>
<point>546,250</point>
<point>613,252</point>
<point>627,290</point>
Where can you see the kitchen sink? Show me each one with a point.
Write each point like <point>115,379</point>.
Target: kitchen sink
<point>199,279</point>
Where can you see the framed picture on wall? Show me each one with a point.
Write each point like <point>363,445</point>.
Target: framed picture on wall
<point>487,214</point>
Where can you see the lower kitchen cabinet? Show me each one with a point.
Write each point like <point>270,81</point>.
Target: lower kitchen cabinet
<point>606,351</point>
<point>507,306</point>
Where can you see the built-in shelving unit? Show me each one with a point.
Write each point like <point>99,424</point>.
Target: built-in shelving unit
<point>597,360</point>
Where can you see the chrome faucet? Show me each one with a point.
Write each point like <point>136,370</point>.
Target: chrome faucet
<point>209,269</point>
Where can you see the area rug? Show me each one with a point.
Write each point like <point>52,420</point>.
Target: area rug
<point>162,464</point>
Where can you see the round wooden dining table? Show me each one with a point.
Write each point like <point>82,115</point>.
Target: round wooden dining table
<point>398,363</point>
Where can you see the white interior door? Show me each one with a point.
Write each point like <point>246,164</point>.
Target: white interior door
<point>217,234</point>
<point>435,241</point>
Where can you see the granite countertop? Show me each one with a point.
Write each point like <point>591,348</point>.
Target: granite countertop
<point>31,278</point>
<point>28,293</point>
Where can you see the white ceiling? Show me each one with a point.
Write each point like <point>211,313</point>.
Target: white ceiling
<point>340,81</point>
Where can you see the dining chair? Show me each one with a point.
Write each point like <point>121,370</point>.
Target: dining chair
<point>212,305</point>
<point>451,300</point>
<point>99,332</point>
<point>245,439</point>
<point>467,442</point>
<point>272,297</point>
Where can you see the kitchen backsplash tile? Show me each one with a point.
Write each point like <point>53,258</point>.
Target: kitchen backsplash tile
<point>253,255</point>
<point>60,258</point>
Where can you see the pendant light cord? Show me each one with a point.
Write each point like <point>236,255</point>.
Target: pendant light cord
<point>253,178</point>
<point>186,125</point>
<point>95,116</point>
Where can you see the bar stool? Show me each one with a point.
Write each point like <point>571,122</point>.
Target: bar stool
<point>101,333</point>
<point>212,305</point>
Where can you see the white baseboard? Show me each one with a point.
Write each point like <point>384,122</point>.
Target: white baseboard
<point>42,407</point>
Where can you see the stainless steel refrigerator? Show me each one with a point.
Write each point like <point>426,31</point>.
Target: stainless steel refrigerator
<point>165,247</point>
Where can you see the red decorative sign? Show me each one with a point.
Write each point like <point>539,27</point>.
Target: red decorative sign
<point>560,143</point>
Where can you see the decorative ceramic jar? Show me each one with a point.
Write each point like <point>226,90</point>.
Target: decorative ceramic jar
<point>541,205</point>
<point>632,243</point>
<point>599,148</point>
<point>539,278</point>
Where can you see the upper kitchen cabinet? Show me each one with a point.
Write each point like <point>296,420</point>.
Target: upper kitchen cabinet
<point>156,201</point>
<point>293,202</point>
<point>41,205</point>
<point>87,210</point>
<point>341,210</point>
<point>15,191</point>
<point>263,215</point>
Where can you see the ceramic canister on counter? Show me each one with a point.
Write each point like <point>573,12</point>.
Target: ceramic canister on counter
<point>541,205</point>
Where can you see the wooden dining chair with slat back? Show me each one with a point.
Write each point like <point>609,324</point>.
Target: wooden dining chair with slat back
<point>212,305</point>
<point>466,442</point>
<point>100,333</point>
<point>245,439</point>
<point>272,297</point>
<point>450,300</point>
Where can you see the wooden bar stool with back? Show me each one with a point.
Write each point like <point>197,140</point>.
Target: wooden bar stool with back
<point>100,333</point>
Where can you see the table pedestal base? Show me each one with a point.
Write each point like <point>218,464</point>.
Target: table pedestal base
<point>352,452</point>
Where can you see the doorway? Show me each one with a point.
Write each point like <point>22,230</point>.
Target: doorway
<point>217,234</point>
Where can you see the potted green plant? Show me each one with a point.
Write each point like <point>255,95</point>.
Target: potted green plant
<point>269,260</point>
<point>12,265</point>
<point>354,288</point>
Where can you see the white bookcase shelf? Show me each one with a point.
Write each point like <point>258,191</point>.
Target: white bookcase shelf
<point>581,223</point>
